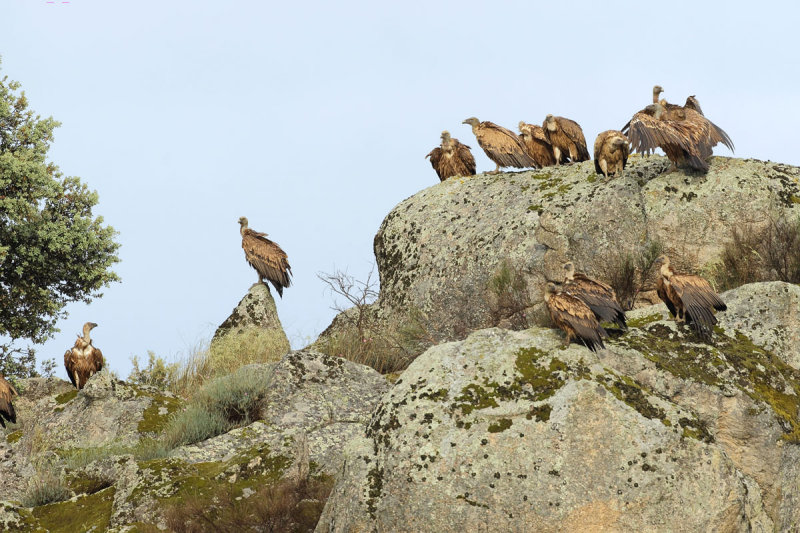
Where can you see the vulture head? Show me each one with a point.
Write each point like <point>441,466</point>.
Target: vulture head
<point>445,136</point>
<point>472,121</point>
<point>662,261</point>
<point>619,142</point>
<point>243,222</point>
<point>656,91</point>
<point>550,123</point>
<point>549,290</point>
<point>569,271</point>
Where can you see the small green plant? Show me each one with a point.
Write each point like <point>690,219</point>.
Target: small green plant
<point>219,406</point>
<point>158,373</point>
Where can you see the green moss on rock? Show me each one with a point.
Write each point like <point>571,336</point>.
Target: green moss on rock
<point>85,513</point>
<point>500,426</point>
<point>68,396</point>
<point>14,436</point>
<point>155,417</point>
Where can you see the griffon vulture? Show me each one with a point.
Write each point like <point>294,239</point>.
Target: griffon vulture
<point>266,257</point>
<point>7,392</point>
<point>83,360</point>
<point>537,145</point>
<point>566,136</point>
<point>597,295</point>
<point>574,317</point>
<point>611,152</point>
<point>501,145</point>
<point>683,132</point>
<point>689,298</point>
<point>452,158</point>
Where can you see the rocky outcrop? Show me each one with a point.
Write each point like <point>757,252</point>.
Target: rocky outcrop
<point>438,250</point>
<point>507,431</point>
<point>254,322</point>
<point>54,417</point>
<point>314,405</point>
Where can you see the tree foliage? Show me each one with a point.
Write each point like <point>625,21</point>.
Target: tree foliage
<point>53,251</point>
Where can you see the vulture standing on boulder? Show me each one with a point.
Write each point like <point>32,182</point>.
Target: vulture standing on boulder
<point>566,136</point>
<point>266,257</point>
<point>452,158</point>
<point>536,144</point>
<point>83,360</point>
<point>683,132</point>
<point>574,317</point>
<point>611,152</point>
<point>501,145</point>
<point>7,392</point>
<point>689,298</point>
<point>597,295</point>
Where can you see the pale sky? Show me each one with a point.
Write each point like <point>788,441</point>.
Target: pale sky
<point>313,119</point>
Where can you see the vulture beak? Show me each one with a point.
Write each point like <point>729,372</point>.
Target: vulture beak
<point>93,325</point>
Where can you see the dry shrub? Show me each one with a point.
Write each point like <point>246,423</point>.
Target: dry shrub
<point>46,487</point>
<point>629,272</point>
<point>288,506</point>
<point>769,253</point>
<point>509,301</point>
<point>359,335</point>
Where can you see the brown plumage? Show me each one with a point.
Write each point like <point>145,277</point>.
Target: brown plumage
<point>566,136</point>
<point>500,144</point>
<point>611,152</point>
<point>683,132</point>
<point>597,295</point>
<point>536,144</point>
<point>574,317</point>
<point>452,158</point>
<point>7,392</point>
<point>266,257</point>
<point>689,298</point>
<point>83,360</point>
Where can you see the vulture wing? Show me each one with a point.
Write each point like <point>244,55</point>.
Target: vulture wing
<point>436,158</point>
<point>699,300</point>
<point>599,297</point>
<point>573,316</point>
<point>7,392</point>
<point>69,364</point>
<point>678,139</point>
<point>465,155</point>
<point>96,359</point>
<point>269,260</point>
<point>692,103</point>
<point>537,146</point>
<point>573,130</point>
<point>503,146</point>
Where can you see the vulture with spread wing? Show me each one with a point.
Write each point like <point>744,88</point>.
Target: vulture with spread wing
<point>7,392</point>
<point>566,136</point>
<point>689,298</point>
<point>611,152</point>
<point>266,257</point>
<point>683,132</point>
<point>452,158</point>
<point>83,360</point>
<point>574,317</point>
<point>537,145</point>
<point>500,144</point>
<point>597,295</point>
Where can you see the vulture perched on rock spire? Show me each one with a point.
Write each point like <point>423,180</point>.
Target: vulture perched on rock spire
<point>611,152</point>
<point>266,257</point>
<point>536,144</point>
<point>566,136</point>
<point>573,316</point>
<point>501,145</point>
<point>597,295</point>
<point>689,298</point>
<point>7,392</point>
<point>452,158</point>
<point>83,360</point>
